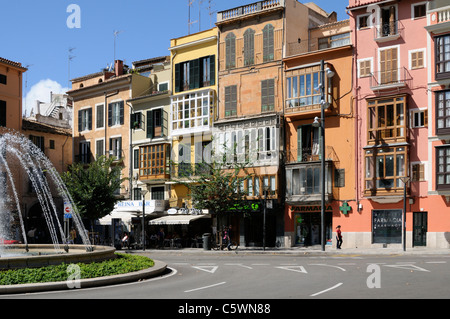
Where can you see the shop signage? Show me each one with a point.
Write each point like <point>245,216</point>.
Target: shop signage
<point>136,205</point>
<point>252,207</point>
<point>310,209</point>
<point>345,208</point>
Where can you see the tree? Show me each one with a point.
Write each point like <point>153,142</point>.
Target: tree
<point>93,188</point>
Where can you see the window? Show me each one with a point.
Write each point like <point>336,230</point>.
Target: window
<point>303,89</point>
<point>99,148</point>
<point>443,167</point>
<point>153,160</point>
<point>137,194</point>
<point>389,66</point>
<point>418,172</point>
<point>192,110</point>
<point>52,144</point>
<point>442,57</point>
<point>419,118</point>
<point>84,152</point>
<point>308,143</point>
<point>155,123</point>
<point>443,112</point>
<point>387,226</point>
<point>386,119</point>
<point>339,177</point>
<point>267,95</point>
<point>419,10</point>
<point>115,147</point>
<point>100,116</point>
<point>195,74</point>
<point>158,193</point>
<point>116,113</point>
<point>38,141</point>
<point>230,100</point>
<point>230,51</point>
<point>3,113</point>
<point>268,43</point>
<point>162,87</point>
<point>384,168</point>
<point>365,68</point>
<point>388,23</point>
<point>417,59</point>
<point>334,41</point>
<point>137,121</point>
<point>85,120</point>
<point>253,186</point>
<point>3,79</point>
<point>249,47</point>
<point>363,21</point>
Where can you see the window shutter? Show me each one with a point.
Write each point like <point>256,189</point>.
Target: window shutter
<point>80,119</point>
<point>3,113</point>
<point>212,70</point>
<point>122,113</point>
<point>89,115</point>
<point>109,114</point>
<point>177,77</point>
<point>149,124</point>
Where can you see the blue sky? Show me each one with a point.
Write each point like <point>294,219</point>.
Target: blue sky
<point>36,33</point>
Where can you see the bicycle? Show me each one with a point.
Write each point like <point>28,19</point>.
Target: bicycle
<point>216,246</point>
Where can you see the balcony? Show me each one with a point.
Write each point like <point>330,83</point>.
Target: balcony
<point>389,79</point>
<point>439,17</point>
<point>188,170</point>
<point>388,31</point>
<point>310,154</point>
<point>303,182</point>
<point>249,10</point>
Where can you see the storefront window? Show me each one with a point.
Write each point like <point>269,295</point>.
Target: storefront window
<point>387,226</point>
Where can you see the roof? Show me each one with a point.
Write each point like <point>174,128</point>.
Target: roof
<point>366,3</point>
<point>12,63</point>
<point>31,125</point>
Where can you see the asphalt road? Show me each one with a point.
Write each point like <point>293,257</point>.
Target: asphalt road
<point>225,276</point>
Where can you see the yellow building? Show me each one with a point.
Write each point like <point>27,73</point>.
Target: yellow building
<point>193,107</point>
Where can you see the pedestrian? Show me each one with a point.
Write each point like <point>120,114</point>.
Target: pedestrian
<point>338,237</point>
<point>32,235</point>
<point>73,235</point>
<point>229,237</point>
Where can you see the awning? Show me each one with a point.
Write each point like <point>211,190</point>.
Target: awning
<point>124,216</point>
<point>176,219</point>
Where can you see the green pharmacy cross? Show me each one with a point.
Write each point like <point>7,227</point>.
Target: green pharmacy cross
<point>345,208</point>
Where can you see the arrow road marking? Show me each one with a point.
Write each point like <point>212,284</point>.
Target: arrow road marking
<point>407,267</point>
<point>294,268</point>
<point>210,269</point>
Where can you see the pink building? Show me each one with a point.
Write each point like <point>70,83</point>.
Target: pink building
<point>395,128</point>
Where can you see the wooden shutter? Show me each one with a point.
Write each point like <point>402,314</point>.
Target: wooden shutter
<point>388,66</point>
<point>122,113</point>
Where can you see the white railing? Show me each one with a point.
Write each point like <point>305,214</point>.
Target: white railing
<point>249,9</point>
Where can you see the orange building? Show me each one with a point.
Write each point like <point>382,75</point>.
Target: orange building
<point>303,70</point>
<point>100,130</point>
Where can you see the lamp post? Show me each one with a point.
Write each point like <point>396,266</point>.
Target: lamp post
<point>143,192</point>
<point>405,180</point>
<point>321,122</point>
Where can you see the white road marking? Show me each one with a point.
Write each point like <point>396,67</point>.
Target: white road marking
<point>206,287</point>
<point>328,266</point>
<point>408,267</point>
<point>241,265</point>
<point>323,291</point>
<point>210,269</point>
<point>294,268</point>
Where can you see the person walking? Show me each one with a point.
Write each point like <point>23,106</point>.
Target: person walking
<point>338,237</point>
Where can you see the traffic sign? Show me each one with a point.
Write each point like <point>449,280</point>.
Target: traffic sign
<point>67,210</point>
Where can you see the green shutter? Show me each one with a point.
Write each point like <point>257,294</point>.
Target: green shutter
<point>149,124</point>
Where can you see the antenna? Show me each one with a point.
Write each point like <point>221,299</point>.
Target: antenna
<point>199,14</point>
<point>26,86</point>
<point>70,58</point>
<point>210,12</point>
<point>116,33</point>
<point>190,2</point>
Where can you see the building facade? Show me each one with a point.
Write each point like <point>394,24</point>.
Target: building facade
<point>303,103</point>
<point>398,190</point>
<point>253,40</point>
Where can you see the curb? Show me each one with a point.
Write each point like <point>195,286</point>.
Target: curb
<point>158,268</point>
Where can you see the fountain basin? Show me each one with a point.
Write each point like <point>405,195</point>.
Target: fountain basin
<point>40,255</point>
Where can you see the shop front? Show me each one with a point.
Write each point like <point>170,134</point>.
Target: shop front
<point>307,224</point>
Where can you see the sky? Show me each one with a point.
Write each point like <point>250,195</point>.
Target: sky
<point>43,34</point>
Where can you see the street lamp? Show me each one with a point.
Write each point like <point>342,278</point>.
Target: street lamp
<point>143,192</point>
<point>405,180</point>
<point>321,123</point>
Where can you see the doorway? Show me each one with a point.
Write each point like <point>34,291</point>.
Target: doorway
<point>420,228</point>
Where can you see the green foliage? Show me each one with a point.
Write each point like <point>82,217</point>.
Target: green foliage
<point>93,187</point>
<point>124,263</point>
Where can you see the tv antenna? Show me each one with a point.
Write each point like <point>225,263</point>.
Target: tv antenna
<point>70,58</point>
<point>210,12</point>
<point>116,33</point>
<point>190,2</point>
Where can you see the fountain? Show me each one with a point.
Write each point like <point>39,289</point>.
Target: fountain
<point>19,154</point>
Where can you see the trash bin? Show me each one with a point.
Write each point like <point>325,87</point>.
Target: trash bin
<point>206,243</point>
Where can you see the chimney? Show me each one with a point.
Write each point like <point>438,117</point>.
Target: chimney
<point>118,67</point>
